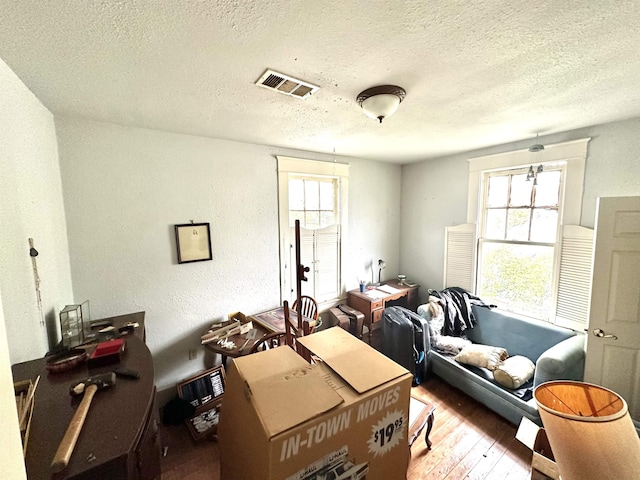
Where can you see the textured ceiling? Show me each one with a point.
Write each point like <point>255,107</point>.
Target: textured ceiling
<point>477,73</point>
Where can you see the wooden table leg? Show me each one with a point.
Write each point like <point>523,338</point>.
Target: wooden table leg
<point>430,419</point>
<point>421,414</point>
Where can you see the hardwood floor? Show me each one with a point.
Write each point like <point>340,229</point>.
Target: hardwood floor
<point>469,442</point>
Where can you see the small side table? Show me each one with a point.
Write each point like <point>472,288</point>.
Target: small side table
<point>421,413</point>
<point>243,343</point>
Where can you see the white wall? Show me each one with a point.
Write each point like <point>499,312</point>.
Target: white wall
<point>125,188</point>
<point>613,165</point>
<point>433,196</point>
<point>30,207</point>
<point>434,192</point>
<point>374,220</point>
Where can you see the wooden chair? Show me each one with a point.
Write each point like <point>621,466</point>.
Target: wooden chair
<point>269,341</point>
<point>294,331</point>
<point>288,337</point>
<point>308,308</point>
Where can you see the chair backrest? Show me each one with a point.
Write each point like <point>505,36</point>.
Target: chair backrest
<point>308,307</point>
<point>269,341</point>
<point>288,337</point>
<point>293,331</point>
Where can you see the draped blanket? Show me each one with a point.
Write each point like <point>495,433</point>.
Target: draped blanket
<point>456,306</point>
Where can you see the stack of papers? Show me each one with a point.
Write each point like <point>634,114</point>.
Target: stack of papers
<point>375,294</point>
<point>388,289</point>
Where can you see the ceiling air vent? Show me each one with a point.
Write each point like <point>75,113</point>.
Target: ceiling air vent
<point>286,84</point>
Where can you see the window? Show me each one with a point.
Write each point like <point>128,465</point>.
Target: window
<point>315,193</point>
<point>522,247</point>
<point>312,200</point>
<point>517,244</point>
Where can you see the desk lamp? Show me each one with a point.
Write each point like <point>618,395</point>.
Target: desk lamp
<point>590,431</point>
<point>381,266</point>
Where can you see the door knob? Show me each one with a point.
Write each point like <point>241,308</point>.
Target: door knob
<point>598,332</point>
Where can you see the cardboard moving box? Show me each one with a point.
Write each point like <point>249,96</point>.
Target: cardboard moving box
<point>345,417</point>
<point>543,465</point>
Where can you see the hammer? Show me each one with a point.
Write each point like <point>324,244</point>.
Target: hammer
<point>87,387</point>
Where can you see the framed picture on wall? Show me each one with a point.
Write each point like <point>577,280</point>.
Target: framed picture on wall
<point>193,241</point>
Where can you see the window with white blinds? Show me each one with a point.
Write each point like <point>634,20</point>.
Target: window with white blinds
<point>572,292</point>
<point>574,277</point>
<point>315,193</point>
<point>570,260</point>
<point>320,251</point>
<point>460,256</point>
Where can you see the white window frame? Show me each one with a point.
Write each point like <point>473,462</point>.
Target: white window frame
<point>574,155</point>
<point>555,245</point>
<point>291,167</point>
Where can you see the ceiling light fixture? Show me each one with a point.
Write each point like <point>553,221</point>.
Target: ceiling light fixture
<point>536,147</point>
<point>382,101</point>
<point>531,174</point>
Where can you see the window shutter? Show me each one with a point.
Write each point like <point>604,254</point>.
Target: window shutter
<point>460,256</point>
<point>574,281</point>
<point>327,263</point>
<point>320,251</point>
<point>306,258</point>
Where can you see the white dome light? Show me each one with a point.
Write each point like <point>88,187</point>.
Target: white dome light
<point>380,102</point>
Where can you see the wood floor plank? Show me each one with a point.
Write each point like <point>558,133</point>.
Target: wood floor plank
<point>508,466</point>
<point>484,468</point>
<point>488,429</point>
<point>521,470</point>
<point>457,447</point>
<point>447,433</point>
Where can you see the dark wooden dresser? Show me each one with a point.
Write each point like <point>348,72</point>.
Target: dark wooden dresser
<point>120,436</point>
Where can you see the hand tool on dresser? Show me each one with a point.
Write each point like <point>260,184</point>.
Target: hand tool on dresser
<point>88,389</point>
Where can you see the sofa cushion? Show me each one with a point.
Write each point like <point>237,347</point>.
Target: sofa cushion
<point>514,372</point>
<point>450,345</point>
<point>484,356</point>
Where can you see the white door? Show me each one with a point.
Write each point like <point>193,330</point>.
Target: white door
<point>613,339</point>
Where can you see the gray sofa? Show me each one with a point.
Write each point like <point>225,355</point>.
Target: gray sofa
<point>558,354</point>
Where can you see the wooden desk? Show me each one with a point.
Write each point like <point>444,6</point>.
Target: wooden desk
<point>373,302</point>
<point>119,438</point>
